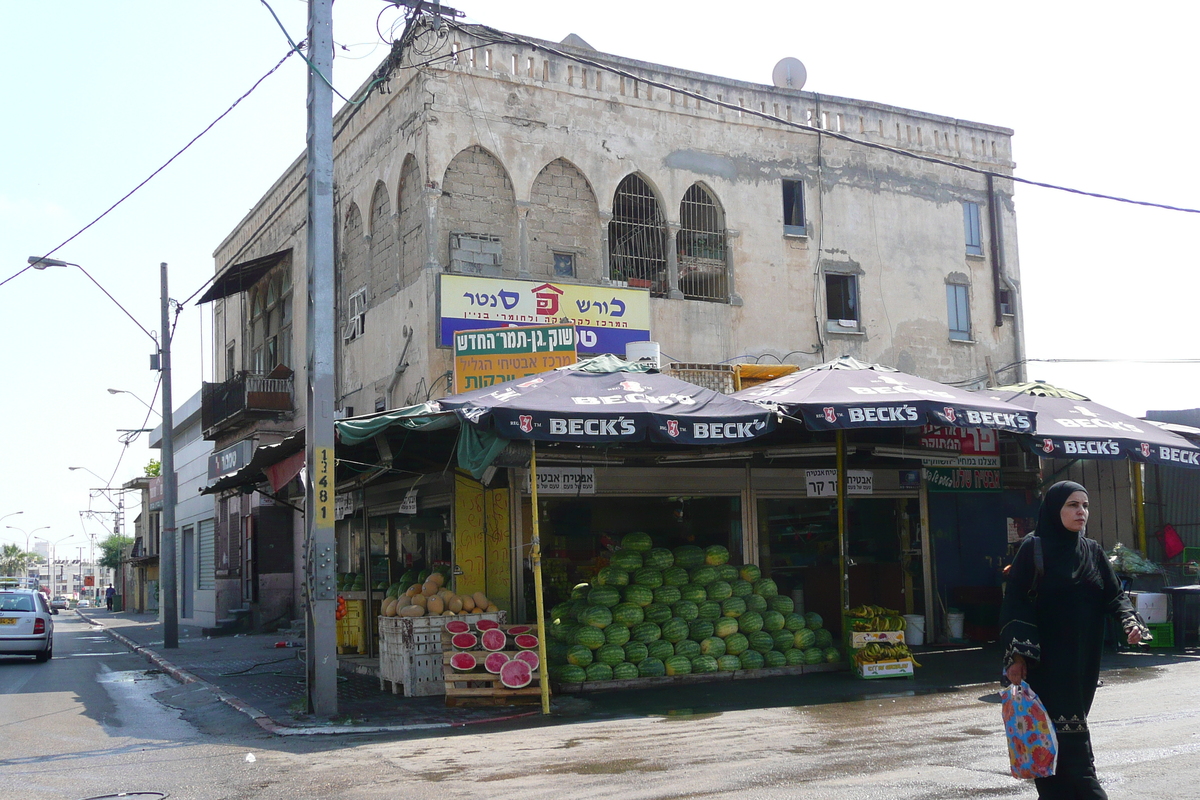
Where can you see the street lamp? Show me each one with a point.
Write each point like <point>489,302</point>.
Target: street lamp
<point>167,565</point>
<point>13,514</point>
<point>25,552</point>
<point>135,397</point>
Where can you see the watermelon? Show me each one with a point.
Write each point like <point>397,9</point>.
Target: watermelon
<point>628,614</point>
<point>463,662</point>
<point>598,672</point>
<point>580,591</point>
<point>703,575</point>
<point>813,620</point>
<point>529,657</point>
<point>719,590</point>
<point>556,652</point>
<point>589,637</point>
<point>612,576</point>
<point>781,603</point>
<point>761,641</point>
<point>616,634</point>
<point>750,622</point>
<point>755,602</point>
<point>752,660</point>
<point>713,646</point>
<point>742,588</point>
<point>494,662</point>
<point>709,610</point>
<point>804,638</point>
<point>699,629</point>
<point>736,644</point>
<point>629,560</point>
<point>794,657</point>
<point>395,589</point>
<point>832,655</point>
<point>639,595</point>
<point>516,674</point>
<point>525,641</point>
<point>716,555</point>
<point>635,652</point>
<point>659,558</point>
<point>569,673</point>
<point>725,627</point>
<point>794,622</point>
<point>687,647</point>
<point>409,578</point>
<point>662,649</point>
<point>580,656</point>
<point>678,665</point>
<point>772,621</point>
<point>765,587</point>
<point>702,664</point>
<point>605,596</point>
<point>637,541</point>
<point>675,576</point>
<point>727,573</point>
<point>648,576</point>
<point>563,631</point>
<point>611,654</point>
<point>486,625</point>
<point>596,616</point>
<point>651,668</point>
<point>728,663</point>
<point>564,611</point>
<point>694,592</point>
<point>464,641</point>
<point>624,671</point>
<point>749,572</point>
<point>686,610</point>
<point>774,658</point>
<point>667,594</point>
<point>784,640</point>
<point>689,556</point>
<point>517,630</point>
<point>814,655</point>
<point>645,632</point>
<point>675,630</point>
<point>658,613</point>
<point>823,638</point>
<point>733,607</point>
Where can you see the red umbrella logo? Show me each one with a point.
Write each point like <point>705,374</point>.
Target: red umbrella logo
<point>1048,445</point>
<point>526,422</point>
<point>949,412</point>
<point>673,427</point>
<point>1145,449</point>
<point>830,414</point>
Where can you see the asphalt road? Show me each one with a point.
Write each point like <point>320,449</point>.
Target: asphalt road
<point>94,721</point>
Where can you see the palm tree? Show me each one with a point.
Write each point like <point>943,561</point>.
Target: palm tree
<point>13,560</point>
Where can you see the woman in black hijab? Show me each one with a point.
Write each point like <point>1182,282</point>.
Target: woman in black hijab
<point>1052,626</point>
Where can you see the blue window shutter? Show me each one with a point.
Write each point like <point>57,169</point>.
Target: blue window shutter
<point>972,229</point>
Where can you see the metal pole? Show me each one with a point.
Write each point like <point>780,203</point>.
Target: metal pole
<point>320,555</point>
<point>168,567</point>
<point>1139,504</point>
<point>841,515</point>
<point>535,556</point>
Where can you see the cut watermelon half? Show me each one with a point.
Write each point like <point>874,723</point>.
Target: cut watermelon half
<point>463,662</point>
<point>458,626</point>
<point>526,641</point>
<point>493,639</point>
<point>516,674</point>
<point>529,657</point>
<point>517,630</point>
<point>464,641</point>
<point>494,662</point>
<point>487,624</point>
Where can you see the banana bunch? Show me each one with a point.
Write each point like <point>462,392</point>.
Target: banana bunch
<point>876,652</point>
<point>881,623</point>
<point>869,611</point>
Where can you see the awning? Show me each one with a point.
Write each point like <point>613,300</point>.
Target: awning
<point>254,471</point>
<point>423,416</point>
<point>240,277</point>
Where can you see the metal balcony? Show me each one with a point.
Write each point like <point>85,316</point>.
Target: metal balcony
<point>244,397</point>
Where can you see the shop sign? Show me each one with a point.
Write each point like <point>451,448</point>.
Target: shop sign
<point>910,478</point>
<point>343,506</point>
<point>487,357</point>
<point>231,459</point>
<point>409,505</point>
<point>607,317</point>
<point>564,480</point>
<point>156,493</point>
<point>823,482</point>
<point>967,441</point>
<point>982,462</point>
<point>962,479</point>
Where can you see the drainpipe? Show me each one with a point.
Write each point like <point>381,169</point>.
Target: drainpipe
<point>1001,279</point>
<point>401,365</point>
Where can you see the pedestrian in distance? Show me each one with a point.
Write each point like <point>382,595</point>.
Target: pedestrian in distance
<point>1059,591</point>
<point>109,594</point>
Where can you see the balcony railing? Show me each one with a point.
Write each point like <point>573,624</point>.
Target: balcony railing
<point>244,396</point>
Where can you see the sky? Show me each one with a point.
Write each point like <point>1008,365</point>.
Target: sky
<point>101,95</point>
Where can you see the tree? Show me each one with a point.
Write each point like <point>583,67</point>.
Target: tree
<point>111,549</point>
<point>14,560</point>
<point>154,468</point>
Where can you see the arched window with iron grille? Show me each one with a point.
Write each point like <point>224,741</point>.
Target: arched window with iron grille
<point>637,237</point>
<point>700,245</point>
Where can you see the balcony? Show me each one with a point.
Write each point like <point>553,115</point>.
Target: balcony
<point>243,398</point>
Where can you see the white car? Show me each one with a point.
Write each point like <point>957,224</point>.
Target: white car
<point>26,624</point>
<point>84,604</point>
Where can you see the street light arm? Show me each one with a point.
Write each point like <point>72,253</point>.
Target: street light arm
<point>38,262</point>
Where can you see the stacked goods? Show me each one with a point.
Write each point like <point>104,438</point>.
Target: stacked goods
<point>656,612</point>
<point>487,648</point>
<point>875,638</point>
<point>878,652</point>
<point>876,618</point>
<point>432,598</point>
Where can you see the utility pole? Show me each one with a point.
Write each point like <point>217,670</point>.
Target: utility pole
<point>320,552</point>
<point>167,565</point>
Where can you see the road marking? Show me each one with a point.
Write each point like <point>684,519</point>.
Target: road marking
<point>84,655</point>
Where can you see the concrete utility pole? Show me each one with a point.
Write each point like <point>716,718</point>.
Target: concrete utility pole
<point>167,566</point>
<point>320,552</point>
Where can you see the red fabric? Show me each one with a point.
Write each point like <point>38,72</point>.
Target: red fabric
<point>1172,544</point>
<point>279,474</point>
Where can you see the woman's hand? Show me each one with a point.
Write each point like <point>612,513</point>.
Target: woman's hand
<point>1016,670</point>
<point>1135,636</point>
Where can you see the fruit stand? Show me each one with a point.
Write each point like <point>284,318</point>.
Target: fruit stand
<point>488,663</point>
<point>875,641</point>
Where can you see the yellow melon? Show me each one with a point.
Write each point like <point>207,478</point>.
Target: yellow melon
<point>492,609</point>
<point>435,605</point>
<point>437,578</point>
<point>481,601</point>
<point>420,600</point>
<point>454,603</point>
<point>468,603</point>
<point>429,588</point>
<point>412,611</point>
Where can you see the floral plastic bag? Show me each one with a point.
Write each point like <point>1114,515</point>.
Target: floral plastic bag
<point>1032,742</point>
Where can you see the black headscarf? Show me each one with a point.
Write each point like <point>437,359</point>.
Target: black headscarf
<point>1064,549</point>
<point>1049,524</point>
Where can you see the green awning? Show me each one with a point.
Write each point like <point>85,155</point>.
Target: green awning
<point>423,416</point>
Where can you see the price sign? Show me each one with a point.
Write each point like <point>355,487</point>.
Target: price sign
<point>821,482</point>
<point>323,485</point>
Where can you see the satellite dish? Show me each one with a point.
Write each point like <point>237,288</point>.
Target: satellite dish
<point>789,73</point>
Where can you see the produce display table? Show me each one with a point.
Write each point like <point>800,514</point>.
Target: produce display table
<point>410,651</point>
<point>875,643</point>
<point>479,684</point>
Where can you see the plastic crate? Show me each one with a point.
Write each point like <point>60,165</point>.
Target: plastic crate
<point>1164,634</point>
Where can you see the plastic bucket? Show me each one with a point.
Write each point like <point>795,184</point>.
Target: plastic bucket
<point>954,621</point>
<point>914,629</point>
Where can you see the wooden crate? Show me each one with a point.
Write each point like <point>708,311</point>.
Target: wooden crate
<point>410,652</point>
<point>482,687</point>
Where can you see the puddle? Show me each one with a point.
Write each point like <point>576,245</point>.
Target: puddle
<point>687,715</point>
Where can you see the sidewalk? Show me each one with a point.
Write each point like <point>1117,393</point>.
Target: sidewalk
<point>250,674</point>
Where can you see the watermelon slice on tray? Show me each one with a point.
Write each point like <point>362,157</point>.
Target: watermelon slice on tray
<point>517,630</point>
<point>463,662</point>
<point>487,625</point>
<point>494,662</point>
<point>516,674</point>
<point>525,641</point>
<point>492,639</point>
<point>464,641</point>
<point>457,626</point>
<point>529,657</point>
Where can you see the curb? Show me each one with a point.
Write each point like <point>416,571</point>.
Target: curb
<point>264,721</point>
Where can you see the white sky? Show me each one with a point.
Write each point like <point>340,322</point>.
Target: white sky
<point>99,95</point>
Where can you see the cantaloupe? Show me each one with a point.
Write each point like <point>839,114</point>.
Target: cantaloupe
<point>412,611</point>
<point>435,605</point>
<point>468,603</point>
<point>493,608</point>
<point>413,590</point>
<point>420,600</point>
<point>402,601</point>
<point>481,600</point>
<point>388,607</point>
<point>454,604</point>
<point>429,588</point>
<point>438,578</point>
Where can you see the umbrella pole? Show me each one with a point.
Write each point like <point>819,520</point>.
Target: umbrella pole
<point>841,514</point>
<point>1139,504</point>
<point>535,555</point>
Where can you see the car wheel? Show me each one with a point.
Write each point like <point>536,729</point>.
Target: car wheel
<point>46,655</point>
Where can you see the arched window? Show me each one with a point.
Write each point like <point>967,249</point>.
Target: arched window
<point>637,237</point>
<point>700,244</point>
<point>271,322</point>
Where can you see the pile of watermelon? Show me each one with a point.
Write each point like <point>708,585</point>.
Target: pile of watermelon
<point>655,612</point>
<point>507,651</point>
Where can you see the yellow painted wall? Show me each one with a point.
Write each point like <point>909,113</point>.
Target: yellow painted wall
<point>482,541</point>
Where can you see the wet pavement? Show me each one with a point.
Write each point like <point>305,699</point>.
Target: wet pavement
<point>251,674</point>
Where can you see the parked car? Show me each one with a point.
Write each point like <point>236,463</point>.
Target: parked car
<point>84,604</point>
<point>59,602</point>
<point>26,624</point>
